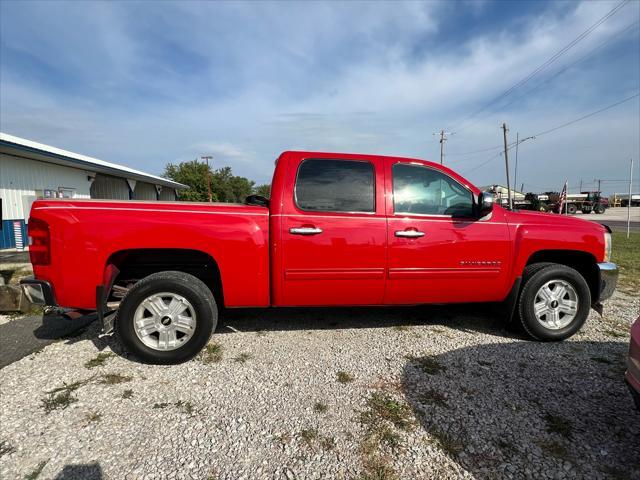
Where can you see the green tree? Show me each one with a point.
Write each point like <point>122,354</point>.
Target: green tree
<point>225,186</point>
<point>264,190</point>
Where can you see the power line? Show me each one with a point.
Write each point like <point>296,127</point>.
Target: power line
<point>552,59</point>
<point>567,67</point>
<point>586,116</point>
<point>558,127</point>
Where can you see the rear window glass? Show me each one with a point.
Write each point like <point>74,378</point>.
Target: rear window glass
<point>335,186</point>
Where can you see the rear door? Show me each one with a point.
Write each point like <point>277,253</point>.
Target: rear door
<point>438,251</point>
<point>333,232</point>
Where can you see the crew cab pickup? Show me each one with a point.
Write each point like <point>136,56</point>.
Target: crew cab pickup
<point>339,229</point>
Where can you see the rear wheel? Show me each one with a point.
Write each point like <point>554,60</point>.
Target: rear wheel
<point>571,209</point>
<point>599,209</point>
<point>554,302</point>
<point>167,317</point>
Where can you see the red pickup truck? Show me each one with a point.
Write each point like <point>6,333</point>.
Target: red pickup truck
<point>339,229</point>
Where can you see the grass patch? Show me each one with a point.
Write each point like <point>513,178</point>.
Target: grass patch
<point>451,444</point>
<point>427,364</point>
<point>604,360</point>
<point>98,361</point>
<point>382,407</point>
<point>61,397</point>
<point>624,252</point>
<point>36,472</point>
<point>433,397</point>
<point>345,377</point>
<point>114,379</point>
<point>186,407</point>
<point>6,448</point>
<point>212,353</point>
<point>93,417</point>
<point>243,357</point>
<point>615,334</point>
<point>558,424</point>
<point>554,448</point>
<point>401,328</point>
<point>128,393</point>
<point>283,438</point>
<point>377,468</point>
<point>320,407</point>
<point>328,443</point>
<point>309,435</point>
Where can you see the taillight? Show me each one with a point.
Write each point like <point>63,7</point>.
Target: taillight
<point>39,244</point>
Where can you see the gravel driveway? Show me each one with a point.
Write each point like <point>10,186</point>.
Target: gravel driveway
<point>333,393</point>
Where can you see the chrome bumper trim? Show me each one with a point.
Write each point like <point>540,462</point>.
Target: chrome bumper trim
<point>608,280</point>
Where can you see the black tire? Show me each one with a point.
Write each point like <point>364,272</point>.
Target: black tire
<point>599,209</point>
<point>534,277</point>
<point>571,209</point>
<point>180,283</point>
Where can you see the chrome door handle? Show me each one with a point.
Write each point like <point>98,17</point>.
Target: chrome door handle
<point>409,233</point>
<point>305,231</point>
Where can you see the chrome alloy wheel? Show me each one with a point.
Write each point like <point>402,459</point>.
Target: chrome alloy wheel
<point>556,304</point>
<point>164,321</point>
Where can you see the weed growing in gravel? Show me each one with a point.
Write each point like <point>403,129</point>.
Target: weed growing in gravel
<point>320,407</point>
<point>345,377</point>
<point>382,407</point>
<point>93,417</point>
<point>6,448</point>
<point>558,424</point>
<point>427,364</point>
<point>36,473</point>
<point>128,393</point>
<point>615,334</point>
<point>243,357</point>
<point>161,405</point>
<point>401,328</point>
<point>602,360</point>
<point>62,397</point>
<point>554,448</point>
<point>283,438</point>
<point>377,468</point>
<point>309,435</point>
<point>433,397</point>
<point>99,360</point>
<point>186,407</point>
<point>451,444</point>
<point>212,353</point>
<point>114,379</point>
<point>328,443</point>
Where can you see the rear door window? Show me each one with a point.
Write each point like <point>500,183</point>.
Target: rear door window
<point>326,185</point>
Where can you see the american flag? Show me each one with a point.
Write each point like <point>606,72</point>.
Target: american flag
<point>563,196</point>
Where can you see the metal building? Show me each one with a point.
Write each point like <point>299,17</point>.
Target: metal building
<point>30,170</point>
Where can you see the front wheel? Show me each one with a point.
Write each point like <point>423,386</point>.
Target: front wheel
<point>554,302</point>
<point>167,317</point>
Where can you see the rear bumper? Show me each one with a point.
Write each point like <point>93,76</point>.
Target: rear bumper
<point>608,280</point>
<point>38,292</point>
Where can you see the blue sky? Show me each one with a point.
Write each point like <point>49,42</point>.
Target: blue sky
<point>148,83</point>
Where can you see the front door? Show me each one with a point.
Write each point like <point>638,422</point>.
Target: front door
<point>333,233</point>
<point>438,251</point>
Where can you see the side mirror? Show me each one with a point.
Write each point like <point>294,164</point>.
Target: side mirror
<point>257,200</point>
<point>485,204</point>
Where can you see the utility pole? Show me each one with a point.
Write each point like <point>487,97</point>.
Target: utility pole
<point>207,158</point>
<point>580,185</point>
<point>598,180</point>
<point>515,173</point>
<point>506,163</point>
<point>629,204</point>
<point>443,138</point>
